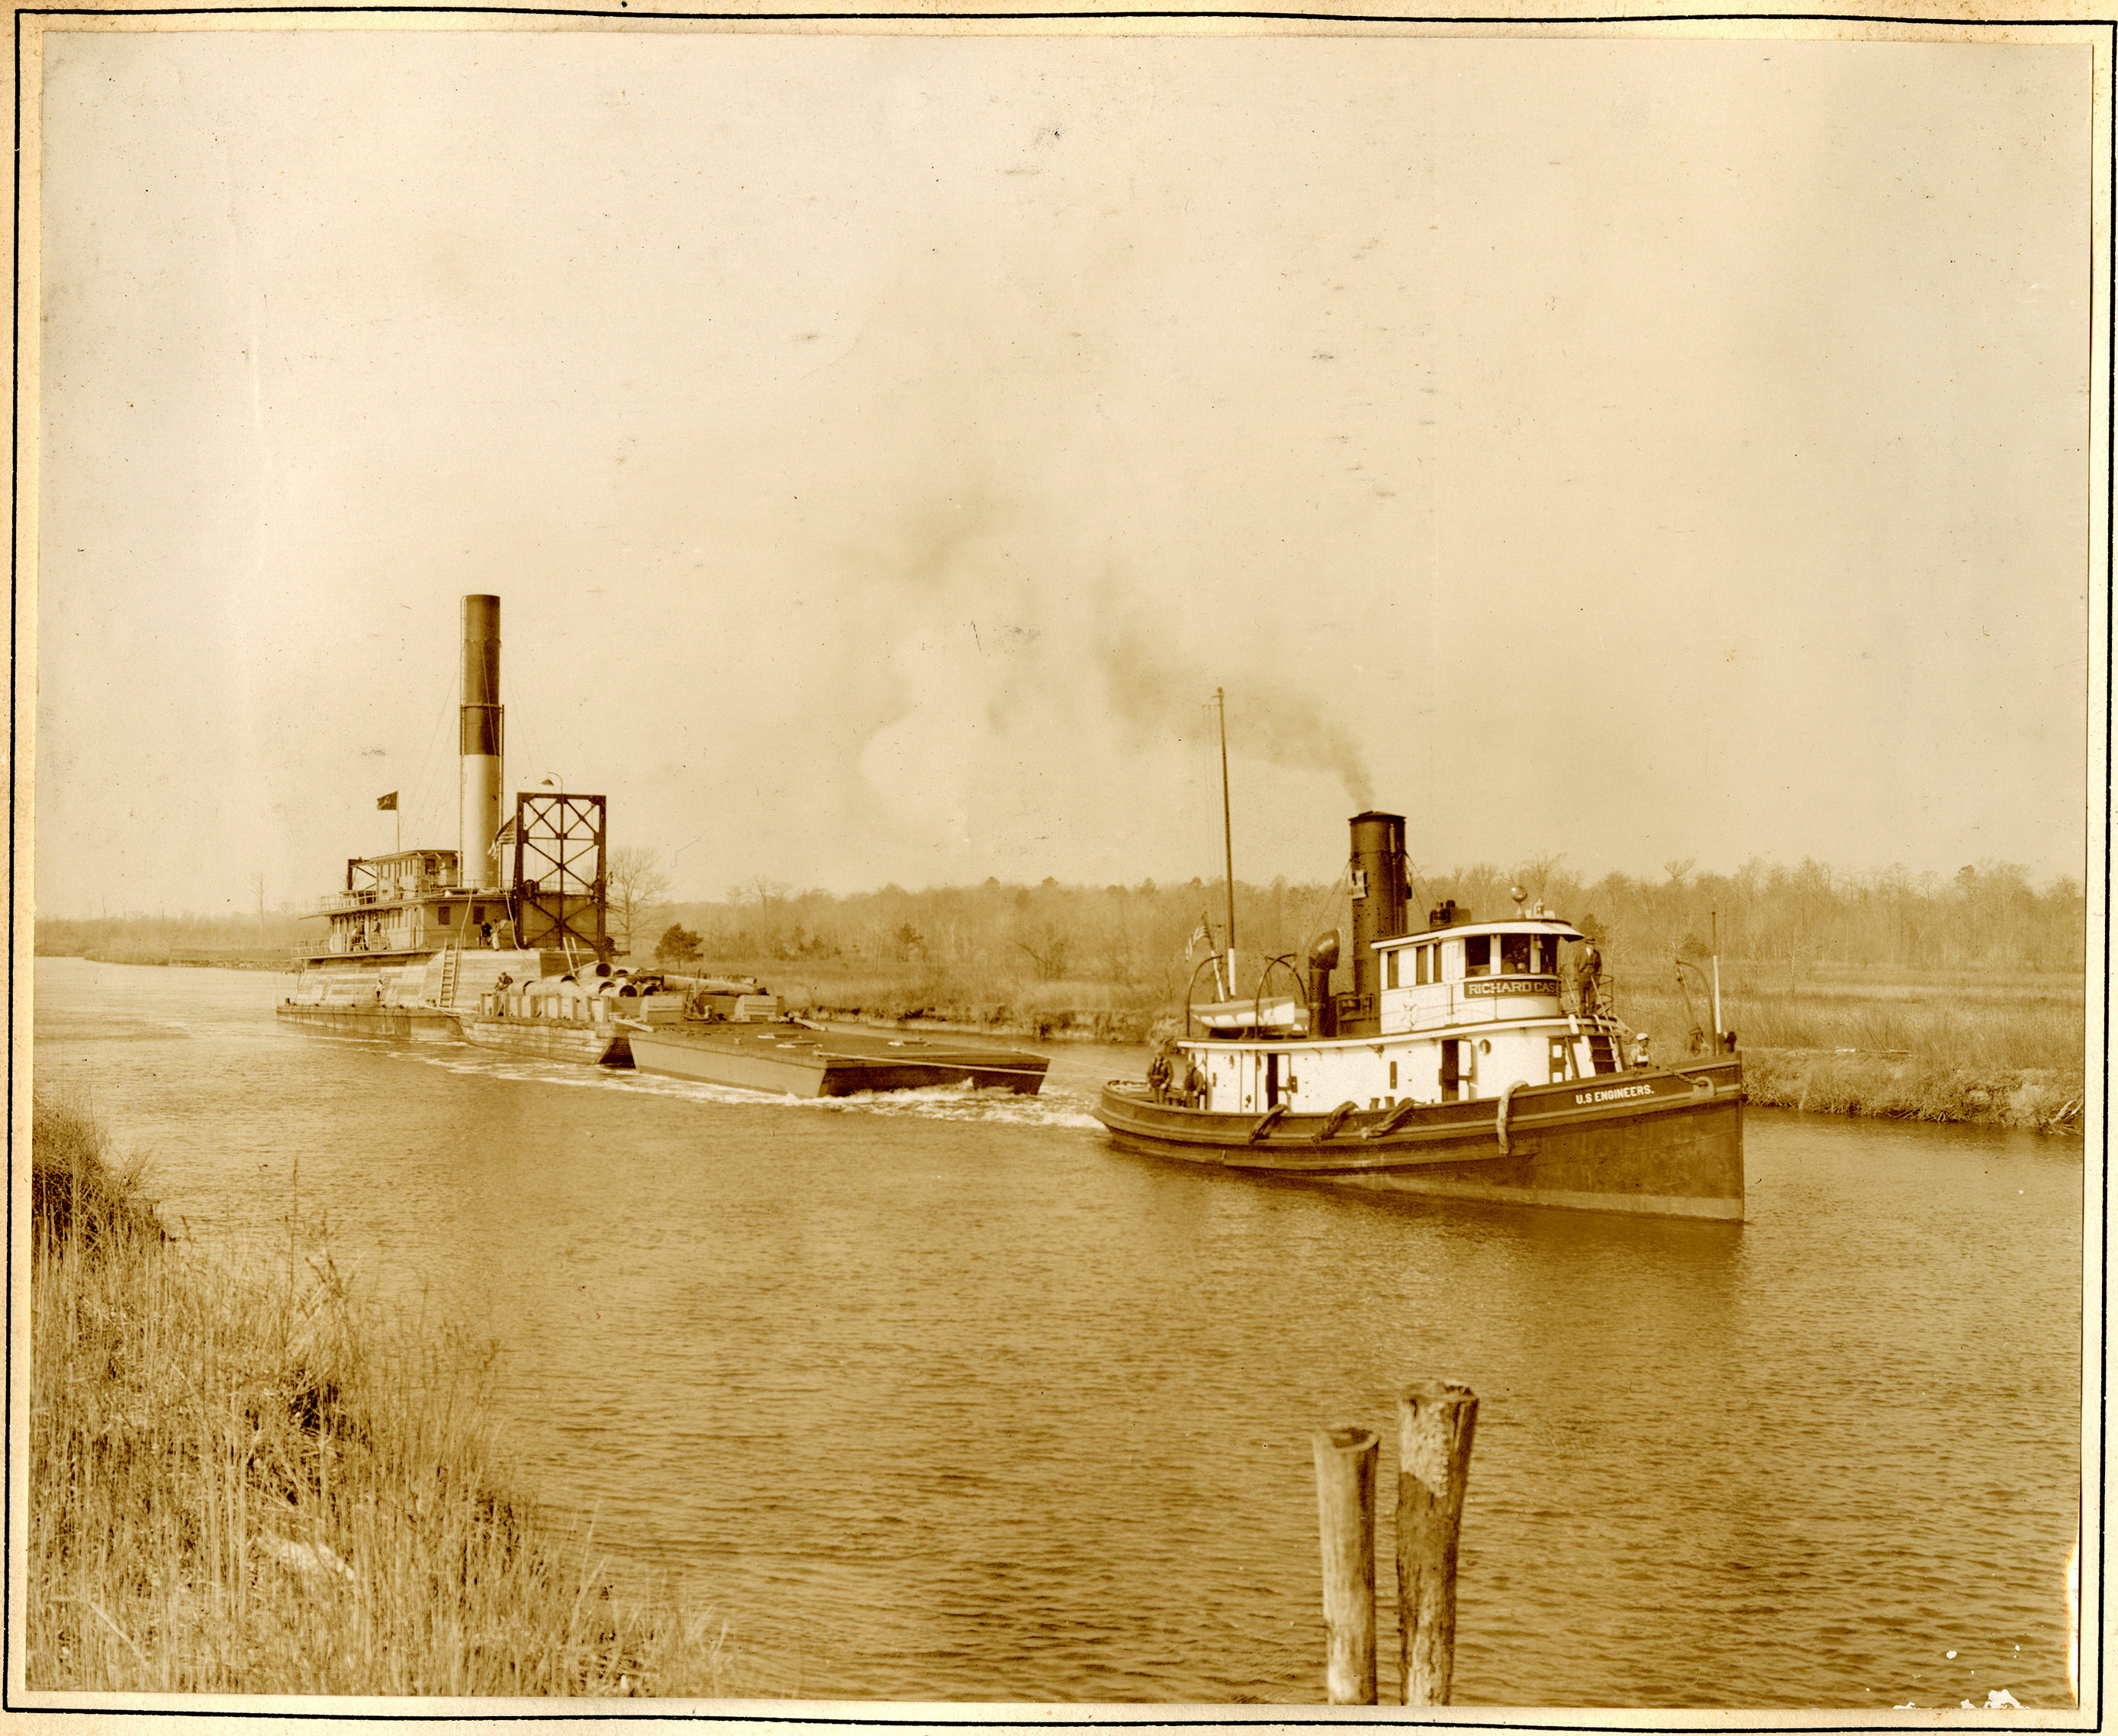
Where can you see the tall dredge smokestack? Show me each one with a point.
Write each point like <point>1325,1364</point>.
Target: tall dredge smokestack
<point>1379,894</point>
<point>481,742</point>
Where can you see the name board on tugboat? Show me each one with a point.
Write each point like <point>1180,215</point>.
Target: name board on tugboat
<point>1512,985</point>
<point>1614,1093</point>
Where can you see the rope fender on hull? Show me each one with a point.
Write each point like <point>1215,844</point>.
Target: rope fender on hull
<point>1391,1123</point>
<point>1501,1119</point>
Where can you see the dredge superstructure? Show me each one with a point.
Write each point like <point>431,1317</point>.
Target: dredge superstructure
<point>416,936</point>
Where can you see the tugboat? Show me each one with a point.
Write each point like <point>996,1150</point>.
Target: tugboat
<point>1458,1067</point>
<point>416,936</point>
<point>1461,1066</point>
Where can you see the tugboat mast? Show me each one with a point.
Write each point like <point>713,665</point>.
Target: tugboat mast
<point>1228,838</point>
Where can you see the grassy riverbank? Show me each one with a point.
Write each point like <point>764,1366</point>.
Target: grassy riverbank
<point>257,1483</point>
<point>1828,1082</point>
<point>1996,1050</point>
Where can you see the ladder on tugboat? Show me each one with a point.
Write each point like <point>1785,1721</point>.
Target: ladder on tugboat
<point>1606,1033</point>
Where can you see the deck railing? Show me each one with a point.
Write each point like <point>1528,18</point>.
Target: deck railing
<point>374,898</point>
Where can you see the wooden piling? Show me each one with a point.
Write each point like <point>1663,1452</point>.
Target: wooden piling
<point>1435,1419</point>
<point>1346,1524</point>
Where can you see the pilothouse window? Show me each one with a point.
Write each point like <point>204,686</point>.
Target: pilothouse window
<point>1478,955</point>
<point>1514,954</point>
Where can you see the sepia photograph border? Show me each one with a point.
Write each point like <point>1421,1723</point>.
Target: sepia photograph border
<point>2024,24</point>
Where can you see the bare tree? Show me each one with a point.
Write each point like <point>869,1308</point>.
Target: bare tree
<point>768,895</point>
<point>1535,876</point>
<point>633,879</point>
<point>1049,949</point>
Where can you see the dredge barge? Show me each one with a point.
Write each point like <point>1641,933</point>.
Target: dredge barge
<point>1461,1065</point>
<point>430,943</point>
<point>415,938</point>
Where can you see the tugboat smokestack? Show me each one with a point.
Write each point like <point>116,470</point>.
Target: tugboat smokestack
<point>1379,894</point>
<point>481,743</point>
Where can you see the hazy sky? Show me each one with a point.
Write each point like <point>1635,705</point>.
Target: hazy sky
<point>884,445</point>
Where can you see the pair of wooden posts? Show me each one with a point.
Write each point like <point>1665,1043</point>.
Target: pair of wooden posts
<point>1435,1423</point>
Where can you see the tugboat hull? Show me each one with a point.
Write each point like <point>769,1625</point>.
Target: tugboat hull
<point>1660,1142</point>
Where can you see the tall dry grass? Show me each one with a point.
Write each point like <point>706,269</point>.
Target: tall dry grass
<point>253,1483</point>
<point>2003,1053</point>
<point>1972,1027</point>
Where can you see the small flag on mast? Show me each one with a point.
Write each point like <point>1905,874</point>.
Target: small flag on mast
<point>388,802</point>
<point>1202,938</point>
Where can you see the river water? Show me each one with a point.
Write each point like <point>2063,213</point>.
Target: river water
<point>939,1397</point>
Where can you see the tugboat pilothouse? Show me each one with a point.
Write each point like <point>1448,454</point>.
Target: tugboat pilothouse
<point>1460,1065</point>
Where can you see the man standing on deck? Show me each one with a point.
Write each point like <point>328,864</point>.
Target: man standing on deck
<point>1585,974</point>
<point>1157,1075</point>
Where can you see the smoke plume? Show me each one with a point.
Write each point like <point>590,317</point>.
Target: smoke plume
<point>1159,693</point>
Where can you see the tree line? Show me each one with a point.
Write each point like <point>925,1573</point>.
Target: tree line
<point>1986,917</point>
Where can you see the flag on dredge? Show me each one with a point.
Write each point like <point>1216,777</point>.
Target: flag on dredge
<point>388,802</point>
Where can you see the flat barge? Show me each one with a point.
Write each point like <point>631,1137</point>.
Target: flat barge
<point>793,1059</point>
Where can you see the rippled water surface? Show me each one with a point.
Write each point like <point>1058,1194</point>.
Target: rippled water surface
<point>940,1397</point>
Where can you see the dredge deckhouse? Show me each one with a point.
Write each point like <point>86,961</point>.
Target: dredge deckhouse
<point>417,937</point>
<point>1460,1065</point>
